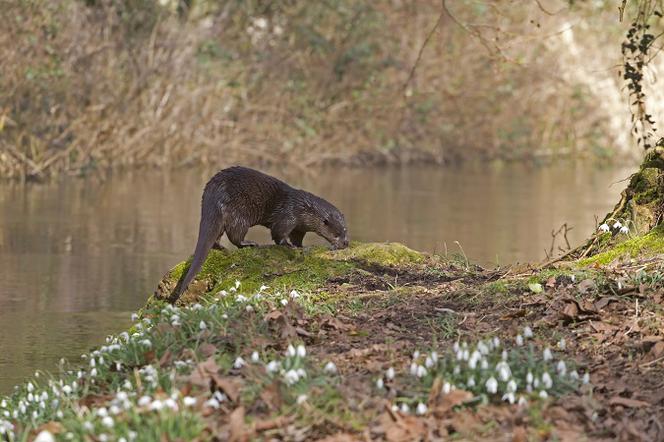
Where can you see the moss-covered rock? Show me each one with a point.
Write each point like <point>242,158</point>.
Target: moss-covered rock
<point>651,243</point>
<point>282,267</point>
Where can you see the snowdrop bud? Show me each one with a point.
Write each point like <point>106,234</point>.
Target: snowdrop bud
<point>202,325</point>
<point>301,399</point>
<point>624,229</point>
<point>249,308</point>
<point>255,357</point>
<point>447,387</point>
<point>519,340</point>
<point>108,422</point>
<point>239,362</point>
<point>284,302</point>
<point>496,341</point>
<point>272,367</point>
<point>543,394</point>
<point>529,378</point>
<point>471,382</point>
<point>389,374</point>
<point>189,401</point>
<point>455,347</point>
<point>237,284</point>
<point>527,332</point>
<point>522,401</point>
<point>44,436</point>
<point>421,409</point>
<point>503,355</point>
<point>547,382</point>
<point>291,352</point>
<point>263,287</point>
<point>434,356</point>
<point>562,344</point>
<point>604,228</point>
<point>484,364</point>
<point>405,409</point>
<point>416,354</point>
<point>561,368</point>
<point>421,371</point>
<point>617,225</point>
<point>586,378</point>
<point>509,397</point>
<point>294,294</point>
<point>547,354</point>
<point>330,367</point>
<point>301,351</point>
<point>144,401</point>
<point>380,384</point>
<point>428,362</point>
<point>413,369</point>
<point>491,385</point>
<point>574,375</point>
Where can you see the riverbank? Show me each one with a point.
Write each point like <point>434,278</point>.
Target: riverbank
<point>375,341</point>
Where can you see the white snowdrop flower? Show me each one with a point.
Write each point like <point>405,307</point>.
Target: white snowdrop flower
<point>258,296</point>
<point>197,306</point>
<point>522,401</point>
<point>170,403</point>
<point>222,293</point>
<point>511,386</point>
<point>509,397</point>
<point>421,371</point>
<point>543,394</point>
<point>45,436</point>
<point>93,362</point>
<point>294,294</point>
<point>291,352</point>
<point>118,366</point>
<point>434,356</point>
<point>459,355</point>
<point>503,355</point>
<point>189,401</point>
<point>272,366</point>
<point>617,225</point>
<point>389,374</point>
<point>134,317</point>
<point>405,409</point>
<point>472,362</point>
<point>380,384</point>
<point>239,362</point>
<point>31,397</point>
<point>35,415</point>
<point>447,387</point>
<point>156,405</point>
<point>224,316</point>
<point>527,332</point>
<point>504,372</point>
<point>255,357</point>
<point>146,343</point>
<point>574,375</point>
<point>496,341</point>
<point>536,383</point>
<point>212,403</point>
<point>114,410</point>
<point>88,426</point>
<point>42,405</point>
<point>482,348</point>
<point>301,351</point>
<point>455,347</point>
<point>519,340</point>
<point>529,378</point>
<point>291,377</point>
<point>624,230</point>
<point>604,228</point>
<point>421,409</point>
<point>562,344</point>
<point>284,302</point>
<point>428,362</point>
<point>547,382</point>
<point>237,284</point>
<point>413,369</point>
<point>547,355</point>
<point>241,298</point>
<point>471,381</point>
<point>586,378</point>
<point>175,318</point>
<point>330,367</point>
<point>491,385</point>
<point>122,396</point>
<point>93,373</point>
<point>219,396</point>
<point>132,435</point>
<point>249,308</point>
<point>202,325</point>
<point>394,408</point>
<point>44,396</point>
<point>561,368</point>
<point>301,399</point>
<point>465,355</point>
<point>301,373</point>
<point>108,422</point>
<point>457,369</point>
<point>416,355</point>
<point>144,401</point>
<point>122,439</point>
<point>127,385</point>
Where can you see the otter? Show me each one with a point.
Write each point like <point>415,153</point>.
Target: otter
<point>239,197</point>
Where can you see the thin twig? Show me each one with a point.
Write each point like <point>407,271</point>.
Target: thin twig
<point>426,40</point>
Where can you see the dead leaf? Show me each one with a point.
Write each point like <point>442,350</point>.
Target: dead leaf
<point>586,286</point>
<point>302,332</point>
<point>519,435</point>
<point>227,385</point>
<point>166,358</point>
<point>450,400</point>
<point>207,349</point>
<point>274,314</point>
<point>627,402</point>
<point>657,350</point>
<point>238,429</point>
<point>202,373</point>
<point>571,310</point>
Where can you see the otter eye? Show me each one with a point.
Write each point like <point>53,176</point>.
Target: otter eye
<point>326,222</point>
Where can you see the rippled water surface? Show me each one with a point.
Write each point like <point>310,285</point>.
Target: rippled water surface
<point>77,256</point>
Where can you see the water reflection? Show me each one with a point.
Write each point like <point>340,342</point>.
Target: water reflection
<point>77,256</point>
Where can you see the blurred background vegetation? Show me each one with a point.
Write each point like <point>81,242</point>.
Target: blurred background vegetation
<point>99,84</point>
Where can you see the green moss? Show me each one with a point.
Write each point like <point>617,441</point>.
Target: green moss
<point>283,269</point>
<point>386,254</point>
<point>649,244</point>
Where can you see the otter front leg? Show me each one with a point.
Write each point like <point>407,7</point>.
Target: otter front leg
<point>281,231</point>
<point>296,237</point>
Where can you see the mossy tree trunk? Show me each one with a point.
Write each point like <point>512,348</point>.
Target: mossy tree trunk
<point>639,210</point>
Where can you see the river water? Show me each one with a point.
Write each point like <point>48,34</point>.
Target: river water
<point>76,257</point>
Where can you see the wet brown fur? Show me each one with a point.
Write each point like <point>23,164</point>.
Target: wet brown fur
<point>238,198</point>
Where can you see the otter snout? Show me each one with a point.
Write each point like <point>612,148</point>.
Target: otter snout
<point>340,243</point>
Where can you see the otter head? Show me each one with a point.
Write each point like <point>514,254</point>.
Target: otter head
<point>327,221</point>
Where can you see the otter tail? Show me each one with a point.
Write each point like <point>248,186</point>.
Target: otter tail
<point>210,229</point>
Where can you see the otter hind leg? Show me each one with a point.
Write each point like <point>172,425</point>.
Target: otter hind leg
<point>281,232</point>
<point>236,234</point>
